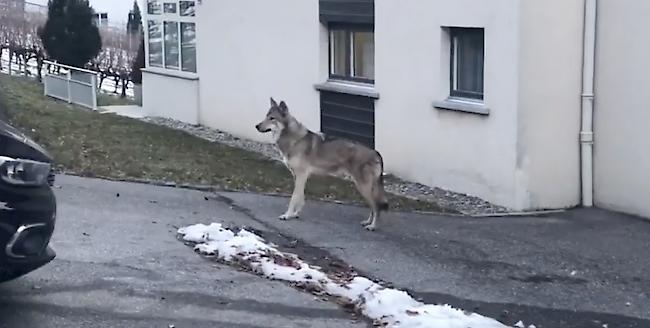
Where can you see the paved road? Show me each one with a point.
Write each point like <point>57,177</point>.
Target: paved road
<point>119,264</point>
<point>583,268</point>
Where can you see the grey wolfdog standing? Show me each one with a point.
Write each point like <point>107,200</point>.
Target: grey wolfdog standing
<point>306,153</point>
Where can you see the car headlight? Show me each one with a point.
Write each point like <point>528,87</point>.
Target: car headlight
<point>24,172</point>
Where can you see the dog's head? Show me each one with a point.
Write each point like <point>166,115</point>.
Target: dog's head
<point>276,118</point>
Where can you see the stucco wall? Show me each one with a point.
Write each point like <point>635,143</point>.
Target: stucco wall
<point>523,155</point>
<point>550,61</point>
<point>622,116</point>
<point>169,96</point>
<point>459,151</point>
<point>250,50</point>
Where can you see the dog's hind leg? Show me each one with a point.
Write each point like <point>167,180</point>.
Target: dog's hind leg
<point>366,191</point>
<point>297,198</point>
<point>369,220</point>
<point>374,215</point>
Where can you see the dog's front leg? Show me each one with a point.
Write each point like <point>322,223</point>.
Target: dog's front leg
<point>297,198</point>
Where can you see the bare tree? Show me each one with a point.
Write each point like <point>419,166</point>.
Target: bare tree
<point>19,24</point>
<point>19,42</point>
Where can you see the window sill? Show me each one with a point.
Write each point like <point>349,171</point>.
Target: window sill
<point>462,105</point>
<point>351,88</point>
<point>171,73</point>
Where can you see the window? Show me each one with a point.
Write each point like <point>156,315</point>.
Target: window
<point>187,8</point>
<point>155,44</point>
<point>352,53</point>
<point>100,19</point>
<point>188,46</point>
<point>172,35</point>
<point>172,49</point>
<point>467,54</point>
<point>170,7</point>
<point>154,7</point>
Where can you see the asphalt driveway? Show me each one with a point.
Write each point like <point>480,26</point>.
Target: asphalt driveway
<point>120,265</point>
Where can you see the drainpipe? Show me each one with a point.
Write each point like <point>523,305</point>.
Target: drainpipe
<point>586,130</point>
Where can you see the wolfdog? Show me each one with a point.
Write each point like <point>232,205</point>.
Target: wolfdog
<point>305,153</point>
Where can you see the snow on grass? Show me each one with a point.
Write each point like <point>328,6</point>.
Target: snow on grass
<point>393,308</point>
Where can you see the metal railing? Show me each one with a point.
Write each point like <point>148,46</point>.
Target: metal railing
<point>72,84</point>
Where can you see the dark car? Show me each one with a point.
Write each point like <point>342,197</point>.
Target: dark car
<point>27,204</point>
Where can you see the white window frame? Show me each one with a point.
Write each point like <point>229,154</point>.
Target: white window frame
<point>451,100</point>
<point>161,19</point>
<point>456,33</point>
<point>350,74</point>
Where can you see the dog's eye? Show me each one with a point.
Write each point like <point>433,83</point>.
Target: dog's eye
<point>271,118</point>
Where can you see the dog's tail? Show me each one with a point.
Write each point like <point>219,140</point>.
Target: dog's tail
<point>379,192</point>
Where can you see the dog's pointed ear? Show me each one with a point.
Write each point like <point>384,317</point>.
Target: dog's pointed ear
<point>283,107</point>
<point>273,103</point>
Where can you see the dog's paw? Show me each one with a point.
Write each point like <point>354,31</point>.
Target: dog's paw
<point>365,222</point>
<point>370,227</point>
<point>285,217</point>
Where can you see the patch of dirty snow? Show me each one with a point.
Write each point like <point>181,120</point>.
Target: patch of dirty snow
<point>386,306</point>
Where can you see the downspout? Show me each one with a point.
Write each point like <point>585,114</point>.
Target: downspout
<point>586,130</point>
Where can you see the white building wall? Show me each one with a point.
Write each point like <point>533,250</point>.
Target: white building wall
<point>622,117</point>
<point>171,96</point>
<point>550,61</point>
<point>523,155</point>
<point>168,93</point>
<point>459,151</point>
<point>250,50</point>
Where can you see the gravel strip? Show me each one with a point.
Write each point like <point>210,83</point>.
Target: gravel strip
<point>465,204</point>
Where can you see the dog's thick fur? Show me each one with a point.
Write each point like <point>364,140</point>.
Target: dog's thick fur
<point>306,153</point>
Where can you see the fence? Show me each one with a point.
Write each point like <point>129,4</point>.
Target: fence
<point>71,84</point>
<point>108,86</point>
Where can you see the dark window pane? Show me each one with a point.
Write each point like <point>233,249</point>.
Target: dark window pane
<point>187,8</point>
<point>467,62</point>
<point>155,44</point>
<point>169,8</point>
<point>154,7</point>
<point>364,55</point>
<point>188,46</point>
<point>172,51</point>
<point>339,52</point>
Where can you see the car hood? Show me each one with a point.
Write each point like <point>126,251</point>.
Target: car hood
<point>14,143</point>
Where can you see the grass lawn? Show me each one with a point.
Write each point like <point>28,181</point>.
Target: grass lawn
<point>92,144</point>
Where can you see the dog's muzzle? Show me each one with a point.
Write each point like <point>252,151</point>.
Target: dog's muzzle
<point>259,128</point>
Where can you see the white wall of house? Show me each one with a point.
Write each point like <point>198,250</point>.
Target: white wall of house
<point>463,152</point>
<point>250,50</point>
<point>524,154</point>
<point>622,159</point>
<point>550,72</point>
<point>170,94</point>
<point>507,157</point>
<point>166,91</point>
